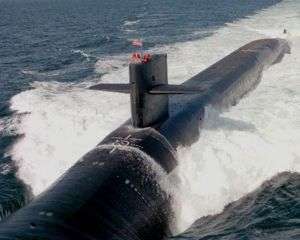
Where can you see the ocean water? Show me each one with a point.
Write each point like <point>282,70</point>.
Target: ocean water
<point>52,50</point>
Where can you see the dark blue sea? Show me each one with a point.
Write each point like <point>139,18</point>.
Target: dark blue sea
<point>50,50</point>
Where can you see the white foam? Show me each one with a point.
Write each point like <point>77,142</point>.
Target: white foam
<point>130,23</point>
<point>109,64</point>
<point>5,168</point>
<point>2,126</point>
<point>29,72</point>
<point>130,30</point>
<point>62,126</point>
<point>252,142</point>
<point>82,53</point>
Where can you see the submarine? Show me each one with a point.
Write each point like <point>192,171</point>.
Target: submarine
<point>118,190</point>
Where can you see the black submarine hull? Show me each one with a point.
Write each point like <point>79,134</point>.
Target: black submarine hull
<point>224,84</point>
<point>119,190</point>
<point>113,192</point>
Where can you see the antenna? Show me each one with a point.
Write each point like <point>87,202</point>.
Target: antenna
<point>149,89</point>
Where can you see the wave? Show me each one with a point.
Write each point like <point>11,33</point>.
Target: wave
<point>130,23</point>
<point>29,72</point>
<point>62,125</point>
<point>269,212</point>
<point>82,53</point>
<point>110,64</point>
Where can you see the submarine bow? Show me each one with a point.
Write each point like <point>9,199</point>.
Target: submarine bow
<point>118,189</point>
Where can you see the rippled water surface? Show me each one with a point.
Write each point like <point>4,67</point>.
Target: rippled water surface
<point>51,50</point>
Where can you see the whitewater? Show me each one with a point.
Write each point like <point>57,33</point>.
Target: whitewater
<point>237,151</point>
